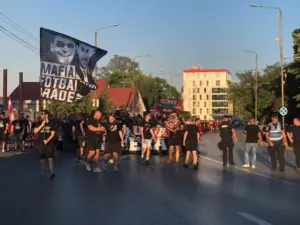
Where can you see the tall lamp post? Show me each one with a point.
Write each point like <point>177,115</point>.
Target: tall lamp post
<point>281,52</point>
<point>96,38</point>
<point>256,82</point>
<point>133,86</point>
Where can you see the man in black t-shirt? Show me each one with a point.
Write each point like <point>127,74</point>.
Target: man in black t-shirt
<point>18,130</point>
<point>191,140</point>
<point>114,141</point>
<point>253,134</point>
<point>26,127</point>
<point>46,130</point>
<point>294,136</point>
<point>147,136</point>
<point>94,135</point>
<point>78,130</point>
<point>3,130</point>
<point>226,144</point>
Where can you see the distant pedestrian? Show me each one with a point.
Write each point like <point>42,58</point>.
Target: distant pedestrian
<point>253,134</point>
<point>293,134</point>
<point>227,134</point>
<point>276,138</point>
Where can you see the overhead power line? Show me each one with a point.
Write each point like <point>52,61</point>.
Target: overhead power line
<point>10,22</point>
<point>19,40</point>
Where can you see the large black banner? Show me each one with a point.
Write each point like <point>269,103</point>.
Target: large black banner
<point>67,66</point>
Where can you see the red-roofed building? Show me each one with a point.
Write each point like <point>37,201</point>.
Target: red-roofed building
<point>121,97</point>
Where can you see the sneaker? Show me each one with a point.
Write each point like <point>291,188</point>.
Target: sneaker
<point>3,150</point>
<point>196,166</point>
<point>232,164</point>
<point>116,169</point>
<point>253,166</point>
<point>147,162</point>
<point>186,166</point>
<point>111,161</point>
<point>97,170</point>
<point>88,167</point>
<point>246,166</point>
<point>51,176</point>
<point>104,168</point>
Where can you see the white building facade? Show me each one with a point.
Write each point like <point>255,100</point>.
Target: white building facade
<point>205,93</point>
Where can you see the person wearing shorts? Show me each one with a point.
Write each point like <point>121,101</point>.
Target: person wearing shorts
<point>94,135</point>
<point>17,133</point>
<point>174,144</point>
<point>3,130</point>
<point>191,140</point>
<point>113,141</point>
<point>147,137</point>
<point>46,134</point>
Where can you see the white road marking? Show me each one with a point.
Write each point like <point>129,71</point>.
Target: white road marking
<point>253,218</point>
<point>252,172</point>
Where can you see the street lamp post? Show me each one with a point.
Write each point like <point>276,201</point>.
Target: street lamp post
<point>96,38</point>
<point>281,52</point>
<point>256,82</point>
<point>133,86</point>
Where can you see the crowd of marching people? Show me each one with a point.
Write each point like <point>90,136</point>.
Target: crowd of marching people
<point>113,133</point>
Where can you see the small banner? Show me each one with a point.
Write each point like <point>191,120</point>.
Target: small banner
<point>67,66</point>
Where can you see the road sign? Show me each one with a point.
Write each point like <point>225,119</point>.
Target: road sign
<point>283,111</point>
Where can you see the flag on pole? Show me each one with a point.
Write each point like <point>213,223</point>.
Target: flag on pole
<point>10,110</point>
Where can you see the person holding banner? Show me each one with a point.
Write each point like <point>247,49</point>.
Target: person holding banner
<point>94,133</point>
<point>46,130</point>
<point>147,137</point>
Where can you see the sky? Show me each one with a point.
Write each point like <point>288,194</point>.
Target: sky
<point>177,34</point>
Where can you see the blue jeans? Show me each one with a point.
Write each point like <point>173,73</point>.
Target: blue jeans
<point>249,147</point>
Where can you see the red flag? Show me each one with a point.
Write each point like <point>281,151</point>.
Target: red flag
<point>11,115</point>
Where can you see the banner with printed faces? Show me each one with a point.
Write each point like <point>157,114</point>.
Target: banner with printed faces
<point>67,64</point>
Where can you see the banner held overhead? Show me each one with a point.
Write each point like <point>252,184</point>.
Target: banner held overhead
<point>67,66</point>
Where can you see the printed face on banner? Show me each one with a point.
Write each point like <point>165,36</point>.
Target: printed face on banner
<point>64,49</point>
<point>84,53</point>
<point>67,66</point>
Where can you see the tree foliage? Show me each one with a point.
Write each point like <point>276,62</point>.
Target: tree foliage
<point>122,71</point>
<point>63,109</point>
<point>105,104</point>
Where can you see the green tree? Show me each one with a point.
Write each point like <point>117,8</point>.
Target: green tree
<point>105,104</point>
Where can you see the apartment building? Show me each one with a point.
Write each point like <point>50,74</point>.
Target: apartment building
<point>205,92</point>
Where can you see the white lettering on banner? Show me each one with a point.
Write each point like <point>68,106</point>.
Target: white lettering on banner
<point>56,94</point>
<point>54,69</point>
<point>62,84</point>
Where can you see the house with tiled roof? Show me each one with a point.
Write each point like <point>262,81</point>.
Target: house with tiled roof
<point>122,98</point>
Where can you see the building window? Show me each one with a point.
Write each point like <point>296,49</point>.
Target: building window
<point>194,90</point>
<point>204,117</point>
<point>219,97</point>
<point>194,97</point>
<point>200,82</point>
<point>194,104</point>
<point>200,97</point>
<point>207,83</point>
<point>220,90</point>
<point>204,104</point>
<point>206,111</point>
<point>204,90</point>
<point>198,90</point>
<point>220,104</point>
<point>207,97</point>
<point>194,83</point>
<point>194,111</point>
<point>198,104</point>
<point>218,83</point>
<point>217,75</point>
<point>200,111</point>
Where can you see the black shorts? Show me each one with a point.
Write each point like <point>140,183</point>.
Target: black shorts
<point>112,147</point>
<point>3,137</point>
<point>93,145</point>
<point>81,141</point>
<point>191,146</point>
<point>46,151</point>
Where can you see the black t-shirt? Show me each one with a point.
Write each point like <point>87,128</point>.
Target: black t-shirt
<point>192,130</point>
<point>45,132</point>
<point>25,124</point>
<point>295,130</point>
<point>225,131</point>
<point>92,135</point>
<point>147,127</point>
<point>3,123</point>
<point>18,126</point>
<point>252,131</point>
<point>78,131</point>
<point>112,130</point>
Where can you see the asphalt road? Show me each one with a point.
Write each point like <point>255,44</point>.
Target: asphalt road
<point>139,194</point>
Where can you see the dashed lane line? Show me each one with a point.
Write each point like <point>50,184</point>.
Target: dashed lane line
<point>252,172</point>
<point>253,218</point>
